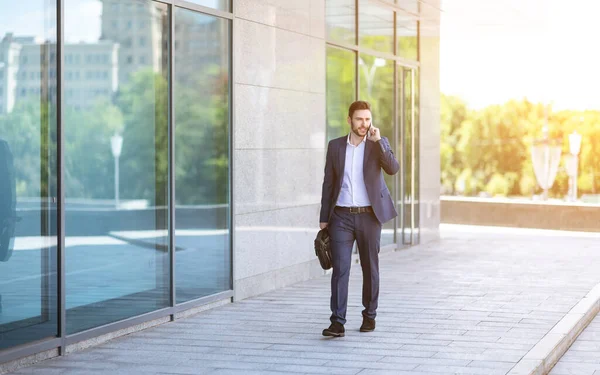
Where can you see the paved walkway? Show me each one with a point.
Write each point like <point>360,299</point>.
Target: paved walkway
<point>474,303</point>
<point>583,357</point>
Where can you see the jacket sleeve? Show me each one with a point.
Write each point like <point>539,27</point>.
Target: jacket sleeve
<point>387,159</point>
<point>327,192</point>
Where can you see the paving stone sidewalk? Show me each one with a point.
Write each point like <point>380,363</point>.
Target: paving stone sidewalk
<point>583,357</point>
<point>473,303</point>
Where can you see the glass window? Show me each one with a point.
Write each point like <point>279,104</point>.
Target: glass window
<point>407,36</point>
<point>377,88</point>
<point>341,90</point>
<point>202,134</point>
<point>412,6</point>
<point>116,168</point>
<point>376,27</point>
<point>215,4</point>
<point>28,161</point>
<point>340,18</point>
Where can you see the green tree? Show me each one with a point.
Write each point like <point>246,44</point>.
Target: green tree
<point>490,149</point>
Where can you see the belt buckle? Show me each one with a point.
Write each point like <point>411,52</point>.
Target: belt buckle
<point>354,210</point>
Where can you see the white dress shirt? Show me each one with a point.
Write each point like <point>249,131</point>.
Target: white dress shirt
<point>354,190</point>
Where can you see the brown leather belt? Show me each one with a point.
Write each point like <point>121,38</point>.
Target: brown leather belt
<point>355,210</point>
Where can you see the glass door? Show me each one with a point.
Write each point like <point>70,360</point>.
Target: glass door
<point>407,223</point>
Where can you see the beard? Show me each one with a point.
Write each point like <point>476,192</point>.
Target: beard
<point>359,129</point>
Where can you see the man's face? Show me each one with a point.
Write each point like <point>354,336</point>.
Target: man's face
<point>360,121</point>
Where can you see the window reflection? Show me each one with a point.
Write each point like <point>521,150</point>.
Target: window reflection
<point>376,27</point>
<point>202,155</point>
<point>376,82</point>
<point>416,153</point>
<point>116,160</point>
<point>412,6</point>
<point>407,36</point>
<point>28,279</point>
<point>215,4</point>
<point>340,16</point>
<point>406,80</point>
<point>377,88</point>
<point>340,90</point>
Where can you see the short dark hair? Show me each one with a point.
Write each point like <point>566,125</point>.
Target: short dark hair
<point>356,106</point>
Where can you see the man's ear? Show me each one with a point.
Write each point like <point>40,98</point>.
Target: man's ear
<point>349,120</point>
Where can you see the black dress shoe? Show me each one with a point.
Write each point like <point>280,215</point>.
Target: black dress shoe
<point>368,325</point>
<point>335,330</point>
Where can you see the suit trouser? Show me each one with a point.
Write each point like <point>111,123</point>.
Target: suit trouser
<point>345,228</point>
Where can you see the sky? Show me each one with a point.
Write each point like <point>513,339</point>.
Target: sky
<point>492,51</point>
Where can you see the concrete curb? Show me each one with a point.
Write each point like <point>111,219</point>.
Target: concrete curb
<point>544,355</point>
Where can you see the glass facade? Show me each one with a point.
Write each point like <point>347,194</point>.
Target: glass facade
<point>376,77</point>
<point>406,140</point>
<point>340,21</point>
<point>416,157</point>
<point>28,186</point>
<point>375,27</point>
<point>383,65</point>
<point>412,6</point>
<point>126,115</point>
<point>201,155</point>
<point>407,36</point>
<point>215,4</point>
<point>116,199</point>
<point>341,89</point>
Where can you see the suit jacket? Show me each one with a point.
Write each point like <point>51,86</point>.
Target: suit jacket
<point>378,157</point>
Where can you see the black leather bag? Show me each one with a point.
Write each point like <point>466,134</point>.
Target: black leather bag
<point>323,248</point>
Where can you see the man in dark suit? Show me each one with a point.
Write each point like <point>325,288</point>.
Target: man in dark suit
<point>354,205</point>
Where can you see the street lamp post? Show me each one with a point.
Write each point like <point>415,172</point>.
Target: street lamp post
<point>116,144</point>
<point>573,162</point>
<point>545,157</point>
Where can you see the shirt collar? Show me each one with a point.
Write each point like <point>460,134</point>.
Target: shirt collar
<point>348,140</point>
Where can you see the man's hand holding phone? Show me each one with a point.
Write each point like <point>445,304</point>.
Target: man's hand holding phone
<point>373,134</point>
